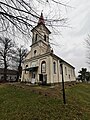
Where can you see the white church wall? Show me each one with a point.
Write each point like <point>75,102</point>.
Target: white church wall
<point>33,49</point>
<point>51,80</point>
<point>59,72</point>
<point>40,49</point>
<point>28,55</point>
<point>68,73</point>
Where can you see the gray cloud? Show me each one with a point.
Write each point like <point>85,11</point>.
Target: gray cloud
<point>74,50</point>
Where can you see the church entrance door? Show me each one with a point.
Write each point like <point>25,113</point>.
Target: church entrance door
<point>41,77</point>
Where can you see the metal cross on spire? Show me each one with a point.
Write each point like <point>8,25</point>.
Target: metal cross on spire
<point>41,19</point>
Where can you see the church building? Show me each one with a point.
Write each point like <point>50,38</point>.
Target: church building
<point>41,65</point>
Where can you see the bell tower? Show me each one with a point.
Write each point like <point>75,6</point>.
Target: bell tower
<point>40,38</point>
<point>40,32</point>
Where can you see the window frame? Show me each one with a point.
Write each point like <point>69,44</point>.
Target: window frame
<point>65,70</point>
<point>36,37</point>
<point>54,67</point>
<point>45,38</point>
<point>43,67</point>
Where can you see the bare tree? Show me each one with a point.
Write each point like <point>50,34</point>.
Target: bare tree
<point>6,53</point>
<point>21,15</point>
<point>21,53</point>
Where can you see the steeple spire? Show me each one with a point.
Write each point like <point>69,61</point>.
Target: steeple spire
<point>41,19</point>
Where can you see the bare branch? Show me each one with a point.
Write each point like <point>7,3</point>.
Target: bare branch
<point>19,16</point>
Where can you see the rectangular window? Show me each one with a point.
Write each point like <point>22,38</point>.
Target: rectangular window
<point>36,38</point>
<point>44,37</point>
<point>54,67</point>
<point>60,69</point>
<point>65,70</point>
<point>33,39</point>
<point>73,72</point>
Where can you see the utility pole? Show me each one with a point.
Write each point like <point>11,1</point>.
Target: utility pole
<point>63,89</point>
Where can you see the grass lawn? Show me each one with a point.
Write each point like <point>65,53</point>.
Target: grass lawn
<point>22,103</point>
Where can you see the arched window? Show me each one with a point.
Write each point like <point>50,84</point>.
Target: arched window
<point>54,67</point>
<point>44,37</point>
<point>43,67</point>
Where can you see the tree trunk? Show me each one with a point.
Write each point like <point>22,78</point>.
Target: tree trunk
<point>5,69</point>
<point>19,71</point>
<point>5,74</point>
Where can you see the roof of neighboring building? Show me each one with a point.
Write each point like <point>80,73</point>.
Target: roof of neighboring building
<point>10,72</point>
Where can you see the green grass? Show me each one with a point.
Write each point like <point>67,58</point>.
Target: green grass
<point>17,103</point>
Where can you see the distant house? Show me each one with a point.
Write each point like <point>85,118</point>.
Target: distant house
<point>41,64</point>
<point>11,75</point>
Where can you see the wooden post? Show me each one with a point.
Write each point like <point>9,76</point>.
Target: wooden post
<point>63,89</point>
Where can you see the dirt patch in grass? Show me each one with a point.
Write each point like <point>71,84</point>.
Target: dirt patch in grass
<point>48,91</point>
<point>2,85</point>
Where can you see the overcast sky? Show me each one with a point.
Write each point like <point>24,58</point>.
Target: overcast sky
<point>71,41</point>
<point>71,44</point>
<point>73,48</point>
